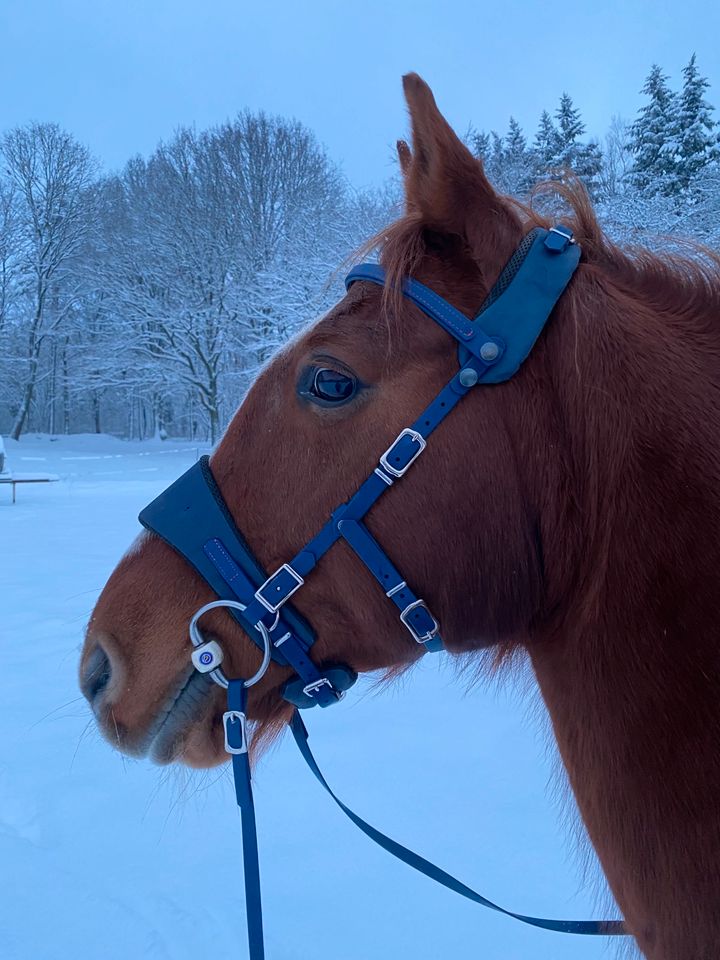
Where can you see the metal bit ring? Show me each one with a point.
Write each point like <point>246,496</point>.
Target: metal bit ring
<point>197,641</point>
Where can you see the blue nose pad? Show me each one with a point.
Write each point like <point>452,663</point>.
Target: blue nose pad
<point>341,677</point>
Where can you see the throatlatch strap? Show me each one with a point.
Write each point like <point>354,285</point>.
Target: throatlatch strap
<point>607,928</point>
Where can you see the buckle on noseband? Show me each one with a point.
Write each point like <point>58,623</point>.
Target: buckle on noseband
<point>312,688</point>
<point>235,727</point>
<point>420,622</point>
<point>281,585</point>
<point>402,452</point>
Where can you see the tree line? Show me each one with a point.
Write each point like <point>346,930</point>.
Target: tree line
<point>143,302</point>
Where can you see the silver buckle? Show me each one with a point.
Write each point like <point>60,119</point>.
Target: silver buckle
<point>313,687</point>
<point>419,638</point>
<point>407,432</point>
<point>561,233</point>
<point>236,716</point>
<point>266,603</point>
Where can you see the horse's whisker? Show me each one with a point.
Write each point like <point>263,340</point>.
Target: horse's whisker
<point>61,707</point>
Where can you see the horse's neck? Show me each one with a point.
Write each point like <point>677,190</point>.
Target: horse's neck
<point>632,678</point>
<point>636,720</point>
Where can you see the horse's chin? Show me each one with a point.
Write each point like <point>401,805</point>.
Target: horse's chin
<point>186,727</point>
<point>203,745</point>
<point>183,722</point>
<point>188,709</point>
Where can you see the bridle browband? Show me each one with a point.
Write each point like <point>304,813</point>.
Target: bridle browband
<point>192,517</point>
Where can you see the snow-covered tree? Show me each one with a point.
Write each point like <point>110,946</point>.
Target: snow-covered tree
<point>517,160</point>
<point>507,159</point>
<point>51,174</point>
<point>612,178</point>
<point>583,159</point>
<point>479,143</point>
<point>546,145</point>
<point>654,137</point>
<point>558,149</point>
<point>144,302</point>
<point>699,142</point>
<point>569,125</point>
<point>9,248</point>
<point>200,236</point>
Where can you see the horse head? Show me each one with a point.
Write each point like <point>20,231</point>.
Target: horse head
<point>571,511</point>
<point>315,420</point>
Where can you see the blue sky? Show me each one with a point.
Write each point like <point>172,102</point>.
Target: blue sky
<point>122,75</point>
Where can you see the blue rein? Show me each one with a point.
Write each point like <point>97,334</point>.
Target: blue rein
<point>192,517</point>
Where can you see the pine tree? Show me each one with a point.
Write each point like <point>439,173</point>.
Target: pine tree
<point>570,129</point>
<point>558,150</point>
<point>515,140</point>
<point>699,141</point>
<point>588,165</point>
<point>516,160</point>
<point>582,159</point>
<point>497,150</point>
<point>654,137</point>
<point>493,158</point>
<point>480,144</point>
<point>547,143</point>
<point>507,160</point>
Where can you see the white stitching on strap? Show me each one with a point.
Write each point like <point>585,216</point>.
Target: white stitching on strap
<point>228,558</point>
<point>447,317</point>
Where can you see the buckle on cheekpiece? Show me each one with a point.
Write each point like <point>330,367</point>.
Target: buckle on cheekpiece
<point>420,622</point>
<point>403,452</point>
<point>279,587</point>
<point>235,726</point>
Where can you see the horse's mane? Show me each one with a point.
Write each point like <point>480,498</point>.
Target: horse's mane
<point>684,284</point>
<point>681,276</point>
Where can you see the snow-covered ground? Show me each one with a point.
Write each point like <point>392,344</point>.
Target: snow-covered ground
<point>105,858</point>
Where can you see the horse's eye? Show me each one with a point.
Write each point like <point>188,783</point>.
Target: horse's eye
<point>332,386</point>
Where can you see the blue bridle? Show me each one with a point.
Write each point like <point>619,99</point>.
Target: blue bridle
<point>192,517</point>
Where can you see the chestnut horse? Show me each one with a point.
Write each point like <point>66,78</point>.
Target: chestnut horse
<point>573,511</point>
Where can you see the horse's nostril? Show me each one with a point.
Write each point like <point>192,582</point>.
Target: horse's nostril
<point>96,673</point>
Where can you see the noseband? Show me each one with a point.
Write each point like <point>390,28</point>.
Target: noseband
<point>192,517</point>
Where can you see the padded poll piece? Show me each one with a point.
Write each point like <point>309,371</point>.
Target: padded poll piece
<point>516,309</point>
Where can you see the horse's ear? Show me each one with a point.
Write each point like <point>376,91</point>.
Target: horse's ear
<point>404,156</point>
<point>445,185</point>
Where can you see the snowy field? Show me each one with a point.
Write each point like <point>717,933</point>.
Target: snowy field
<point>105,858</point>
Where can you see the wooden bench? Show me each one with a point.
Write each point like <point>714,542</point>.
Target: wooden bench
<point>16,478</point>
